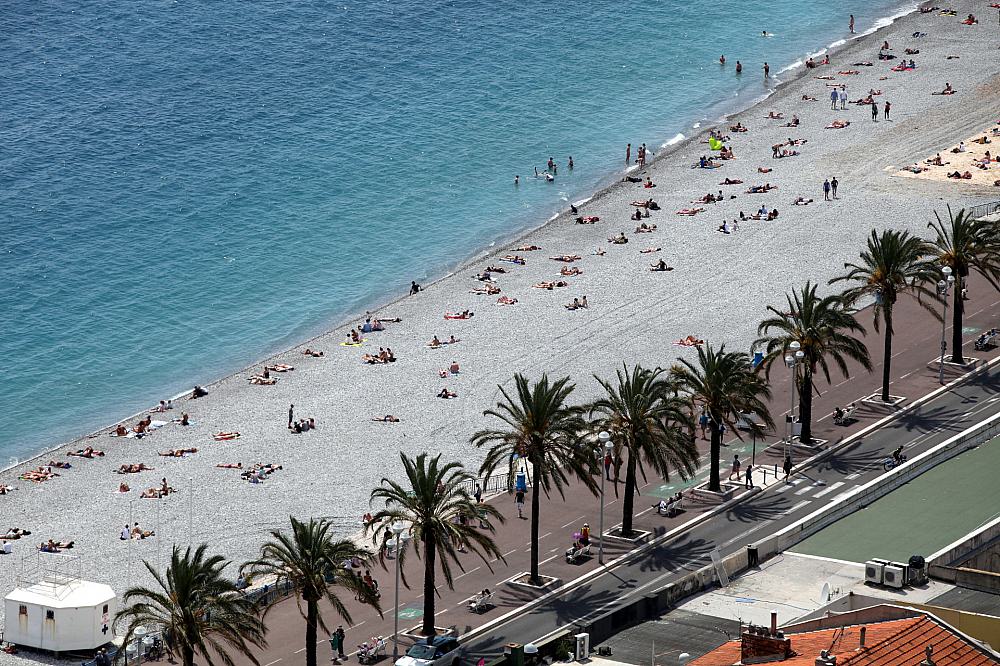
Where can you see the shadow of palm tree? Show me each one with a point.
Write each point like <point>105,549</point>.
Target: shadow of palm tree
<point>850,459</point>
<point>566,607</point>
<point>924,418</point>
<point>766,507</point>
<point>675,555</point>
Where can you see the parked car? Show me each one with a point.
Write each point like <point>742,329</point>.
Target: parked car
<point>433,651</point>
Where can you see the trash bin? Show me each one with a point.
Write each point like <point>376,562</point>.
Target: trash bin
<point>752,556</point>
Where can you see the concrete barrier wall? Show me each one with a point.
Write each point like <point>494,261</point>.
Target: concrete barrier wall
<point>968,550</point>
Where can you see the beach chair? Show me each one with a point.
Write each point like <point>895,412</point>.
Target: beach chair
<point>481,602</point>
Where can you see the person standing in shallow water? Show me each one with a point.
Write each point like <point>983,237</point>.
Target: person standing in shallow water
<point>767,70</point>
<point>628,154</point>
<point>739,67</point>
<point>570,165</point>
<point>850,25</point>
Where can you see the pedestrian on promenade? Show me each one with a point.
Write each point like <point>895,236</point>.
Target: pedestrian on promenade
<point>607,465</point>
<point>826,190</point>
<point>722,432</point>
<point>833,99</point>
<point>843,98</point>
<point>519,502</point>
<point>291,415</point>
<point>874,112</point>
<point>479,493</point>
<point>887,107</point>
<point>833,186</point>
<point>337,644</point>
<point>749,477</point>
<point>703,422</point>
<point>736,467</point>
<point>787,466</point>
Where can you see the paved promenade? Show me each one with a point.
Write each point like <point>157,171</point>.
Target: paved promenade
<point>914,374</point>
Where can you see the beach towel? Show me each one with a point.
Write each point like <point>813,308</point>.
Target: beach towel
<point>714,143</point>
<point>351,344</point>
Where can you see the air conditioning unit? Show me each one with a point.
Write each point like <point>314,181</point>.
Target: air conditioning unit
<point>894,575</point>
<point>874,570</point>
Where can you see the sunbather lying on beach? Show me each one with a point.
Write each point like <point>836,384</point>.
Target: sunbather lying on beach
<point>60,465</point>
<point>912,51</point>
<point>488,290</point>
<point>570,271</point>
<point>464,314</point>
<point>550,285</point>
<point>649,250</point>
<point>787,153</point>
<point>760,189</point>
<point>39,475</point>
<point>506,300</point>
<point>568,258</point>
<point>260,380</point>
<point>495,269</point>
<point>177,453</point>
<point>738,127</point>
<point>14,533</point>
<point>589,219</point>
<point>801,201</point>
<point>660,266</point>
<point>690,211</point>
<point>960,176</point>
<point>600,252</point>
<point>132,468</point>
<point>915,168</point>
<point>827,77</point>
<point>731,181</point>
<point>794,122</point>
<point>314,354</point>
<point>705,163</point>
<point>51,546</point>
<point>388,418</point>
<point>514,259</point>
<point>528,248</point>
<point>620,239</point>
<point>849,72</point>
<point>807,98</point>
<point>838,124</point>
<point>278,367</point>
<point>689,341</point>
<point>238,465</point>
<point>86,452</point>
<point>862,64</point>
<point>446,394</point>
<point>771,115</point>
<point>645,228</point>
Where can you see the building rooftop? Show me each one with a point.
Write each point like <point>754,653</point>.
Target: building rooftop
<point>901,642</point>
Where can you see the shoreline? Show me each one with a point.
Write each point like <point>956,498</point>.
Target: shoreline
<point>604,186</point>
<point>719,291</point>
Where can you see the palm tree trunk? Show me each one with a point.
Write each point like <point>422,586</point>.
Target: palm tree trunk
<point>956,322</point>
<point>805,406</point>
<point>187,655</point>
<point>312,613</point>
<point>887,354</point>
<point>430,554</point>
<point>628,500</point>
<point>716,439</point>
<point>535,510</point>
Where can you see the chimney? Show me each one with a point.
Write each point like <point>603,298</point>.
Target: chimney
<point>826,659</point>
<point>862,641</point>
<point>929,650</point>
<point>774,624</point>
<point>758,645</point>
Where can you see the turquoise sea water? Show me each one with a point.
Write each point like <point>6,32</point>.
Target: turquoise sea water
<point>185,186</point>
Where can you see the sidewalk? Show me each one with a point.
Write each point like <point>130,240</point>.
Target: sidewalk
<point>916,346</point>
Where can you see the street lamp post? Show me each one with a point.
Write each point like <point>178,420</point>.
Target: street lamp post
<point>397,531</point>
<point>790,360</point>
<point>606,447</point>
<point>943,287</point>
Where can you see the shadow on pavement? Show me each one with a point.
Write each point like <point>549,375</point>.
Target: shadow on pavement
<point>567,607</point>
<point>923,419</point>
<point>850,459</point>
<point>673,556</point>
<point>767,507</point>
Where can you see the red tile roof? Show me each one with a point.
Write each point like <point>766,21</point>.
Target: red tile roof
<point>892,643</point>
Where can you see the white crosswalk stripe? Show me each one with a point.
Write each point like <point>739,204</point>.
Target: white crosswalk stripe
<point>829,490</point>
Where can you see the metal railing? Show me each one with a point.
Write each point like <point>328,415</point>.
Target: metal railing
<point>984,210</point>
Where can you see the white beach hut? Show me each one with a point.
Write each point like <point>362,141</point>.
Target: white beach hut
<point>52,610</point>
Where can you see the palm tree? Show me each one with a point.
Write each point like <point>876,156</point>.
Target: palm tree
<point>965,245</point>
<point>823,328</point>
<point>539,426</point>
<point>437,505</point>
<point>894,263</point>
<point>725,385</point>
<point>643,417</point>
<point>199,610</point>
<point>312,563</point>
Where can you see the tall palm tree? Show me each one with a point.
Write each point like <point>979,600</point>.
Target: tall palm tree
<point>540,427</point>
<point>893,263</point>
<point>725,385</point>
<point>646,420</point>
<point>965,245</point>
<point>823,328</point>
<point>199,610</point>
<point>437,505</point>
<point>312,563</point>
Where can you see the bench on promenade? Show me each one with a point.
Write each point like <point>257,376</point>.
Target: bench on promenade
<point>480,603</point>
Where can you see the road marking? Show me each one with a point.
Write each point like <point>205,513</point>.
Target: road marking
<point>852,476</point>
<point>787,486</point>
<point>549,559</point>
<point>575,520</point>
<point>503,556</point>
<point>356,625</point>
<point>465,574</point>
<point>270,663</point>
<point>829,489</point>
<point>795,507</point>
<point>544,535</point>
<point>803,490</point>
<point>298,651</point>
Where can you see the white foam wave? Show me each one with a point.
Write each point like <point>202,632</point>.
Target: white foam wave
<point>677,138</point>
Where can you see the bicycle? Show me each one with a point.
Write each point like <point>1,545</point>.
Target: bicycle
<point>891,462</point>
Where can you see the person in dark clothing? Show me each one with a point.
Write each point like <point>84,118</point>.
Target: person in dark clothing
<point>749,477</point>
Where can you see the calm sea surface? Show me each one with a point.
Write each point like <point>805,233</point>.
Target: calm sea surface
<point>185,187</point>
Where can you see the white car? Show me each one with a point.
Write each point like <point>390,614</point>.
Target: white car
<point>434,651</point>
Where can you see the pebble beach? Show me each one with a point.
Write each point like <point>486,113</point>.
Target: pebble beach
<point>717,291</point>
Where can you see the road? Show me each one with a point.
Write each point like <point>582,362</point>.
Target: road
<point>854,465</point>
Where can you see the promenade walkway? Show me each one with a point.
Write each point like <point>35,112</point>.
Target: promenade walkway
<point>914,374</point>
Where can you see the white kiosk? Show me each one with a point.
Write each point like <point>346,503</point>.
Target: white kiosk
<point>51,609</point>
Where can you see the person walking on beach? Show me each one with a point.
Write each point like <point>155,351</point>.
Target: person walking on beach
<point>291,415</point>
<point>628,154</point>
<point>851,24</point>
<point>887,107</point>
<point>843,98</point>
<point>787,467</point>
<point>519,503</point>
<point>833,186</point>
<point>826,190</point>
<point>736,468</point>
<point>833,99</point>
<point>749,477</point>
<point>874,112</point>
<point>767,70</point>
